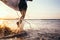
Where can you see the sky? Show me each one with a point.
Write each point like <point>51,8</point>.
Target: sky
<point>37,9</point>
<point>44,9</point>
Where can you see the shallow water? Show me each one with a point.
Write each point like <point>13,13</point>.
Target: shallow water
<point>40,29</point>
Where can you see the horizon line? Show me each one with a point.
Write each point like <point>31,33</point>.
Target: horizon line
<point>27,19</point>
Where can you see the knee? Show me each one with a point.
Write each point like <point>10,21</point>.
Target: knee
<point>23,16</point>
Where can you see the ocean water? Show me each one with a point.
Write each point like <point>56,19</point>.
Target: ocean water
<point>47,25</point>
<point>36,27</point>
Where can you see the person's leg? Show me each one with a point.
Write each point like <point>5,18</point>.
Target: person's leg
<point>19,23</point>
<point>23,13</point>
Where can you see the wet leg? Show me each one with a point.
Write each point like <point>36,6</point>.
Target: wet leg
<point>23,12</point>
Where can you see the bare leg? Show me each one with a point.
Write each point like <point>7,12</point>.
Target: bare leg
<point>23,12</point>
<point>19,23</point>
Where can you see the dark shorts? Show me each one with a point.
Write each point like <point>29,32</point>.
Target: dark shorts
<point>22,6</point>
